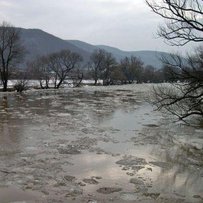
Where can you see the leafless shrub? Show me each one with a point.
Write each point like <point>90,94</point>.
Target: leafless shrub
<point>21,85</point>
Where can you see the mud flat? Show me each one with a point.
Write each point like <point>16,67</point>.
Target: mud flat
<point>96,144</point>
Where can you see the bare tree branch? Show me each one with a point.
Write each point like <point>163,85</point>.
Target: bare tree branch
<point>184,98</point>
<point>184,20</point>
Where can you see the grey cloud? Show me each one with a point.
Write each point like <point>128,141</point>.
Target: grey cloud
<point>127,24</point>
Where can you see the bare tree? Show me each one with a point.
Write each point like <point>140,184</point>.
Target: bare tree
<point>185,98</point>
<point>171,68</point>
<point>55,67</point>
<point>117,76</point>
<point>183,25</point>
<point>183,20</point>
<point>149,74</point>
<point>11,51</point>
<point>109,64</point>
<point>40,70</point>
<point>76,77</point>
<point>132,68</point>
<point>96,64</point>
<point>61,64</point>
<point>101,65</point>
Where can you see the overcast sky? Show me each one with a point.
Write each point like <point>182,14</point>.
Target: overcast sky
<point>125,24</point>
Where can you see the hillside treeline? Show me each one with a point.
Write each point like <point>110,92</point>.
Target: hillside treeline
<point>102,65</point>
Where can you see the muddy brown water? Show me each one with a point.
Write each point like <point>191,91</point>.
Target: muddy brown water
<point>96,144</point>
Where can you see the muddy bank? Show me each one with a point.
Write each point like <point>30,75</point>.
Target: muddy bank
<point>96,144</point>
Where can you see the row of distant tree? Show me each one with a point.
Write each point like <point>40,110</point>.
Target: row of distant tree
<point>58,67</point>
<point>61,66</point>
<point>102,65</point>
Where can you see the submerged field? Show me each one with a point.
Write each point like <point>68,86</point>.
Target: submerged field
<point>96,144</point>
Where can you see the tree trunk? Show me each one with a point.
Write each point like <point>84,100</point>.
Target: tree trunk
<point>5,85</point>
<point>47,84</point>
<point>41,85</point>
<point>59,84</point>
<point>95,81</point>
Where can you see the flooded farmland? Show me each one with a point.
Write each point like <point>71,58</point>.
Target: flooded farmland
<point>95,145</point>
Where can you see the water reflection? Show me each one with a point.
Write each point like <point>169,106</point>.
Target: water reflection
<point>103,166</point>
<point>11,194</point>
<point>181,181</point>
<point>177,167</point>
<point>11,130</point>
<point>38,122</point>
<point>4,103</point>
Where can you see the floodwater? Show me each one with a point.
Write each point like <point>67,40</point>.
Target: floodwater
<point>96,144</point>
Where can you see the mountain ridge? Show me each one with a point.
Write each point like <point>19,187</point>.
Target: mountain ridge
<point>149,57</point>
<point>38,42</point>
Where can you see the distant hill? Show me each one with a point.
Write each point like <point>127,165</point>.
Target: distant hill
<point>38,43</point>
<point>148,57</point>
<point>83,45</point>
